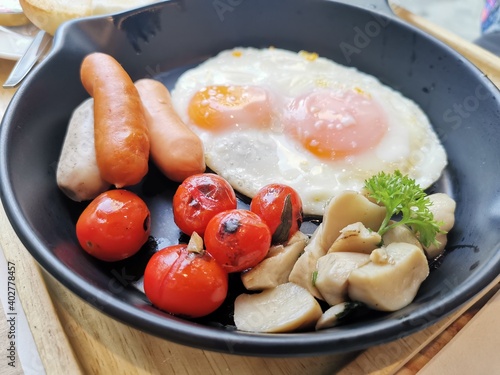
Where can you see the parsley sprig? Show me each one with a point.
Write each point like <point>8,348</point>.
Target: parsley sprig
<point>402,196</point>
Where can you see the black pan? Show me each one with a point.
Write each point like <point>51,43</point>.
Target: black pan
<point>165,39</point>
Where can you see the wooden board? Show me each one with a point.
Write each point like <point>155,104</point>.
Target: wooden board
<point>478,342</point>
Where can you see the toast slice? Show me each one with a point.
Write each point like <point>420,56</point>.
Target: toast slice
<point>49,14</point>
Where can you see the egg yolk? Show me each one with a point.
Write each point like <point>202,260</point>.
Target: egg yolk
<point>222,107</point>
<point>335,125</point>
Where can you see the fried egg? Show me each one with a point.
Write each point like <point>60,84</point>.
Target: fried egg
<point>277,116</point>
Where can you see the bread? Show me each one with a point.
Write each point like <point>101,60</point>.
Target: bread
<point>49,14</point>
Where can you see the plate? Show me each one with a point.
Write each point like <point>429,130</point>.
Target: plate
<point>15,40</point>
<point>162,40</point>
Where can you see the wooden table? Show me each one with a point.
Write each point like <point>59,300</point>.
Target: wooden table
<point>74,338</point>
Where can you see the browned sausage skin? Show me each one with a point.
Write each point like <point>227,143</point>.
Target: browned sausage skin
<point>175,149</point>
<point>121,134</point>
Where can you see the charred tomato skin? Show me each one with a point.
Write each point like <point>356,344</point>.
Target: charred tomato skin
<point>114,225</point>
<point>185,283</point>
<point>199,198</point>
<point>238,239</point>
<point>280,206</point>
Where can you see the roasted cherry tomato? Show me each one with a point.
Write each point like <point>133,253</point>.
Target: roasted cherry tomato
<point>238,239</point>
<point>280,207</point>
<point>185,280</point>
<point>114,226</point>
<point>199,198</point>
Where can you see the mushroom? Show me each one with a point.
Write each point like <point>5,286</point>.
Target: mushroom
<point>305,267</point>
<point>334,314</point>
<point>356,238</point>
<point>401,233</point>
<point>392,278</point>
<point>286,308</point>
<point>443,209</point>
<point>346,208</point>
<point>333,270</point>
<point>276,267</point>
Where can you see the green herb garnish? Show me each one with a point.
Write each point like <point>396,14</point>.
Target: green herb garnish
<point>402,196</point>
<point>282,233</point>
<point>314,277</point>
<point>349,307</point>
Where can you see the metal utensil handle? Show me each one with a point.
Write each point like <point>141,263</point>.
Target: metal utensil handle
<point>34,52</point>
<point>382,6</point>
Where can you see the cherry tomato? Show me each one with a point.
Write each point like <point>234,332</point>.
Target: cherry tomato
<point>184,282</point>
<point>238,239</point>
<point>199,198</point>
<point>114,226</point>
<point>280,207</point>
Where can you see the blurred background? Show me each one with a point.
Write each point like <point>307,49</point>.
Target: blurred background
<point>463,17</point>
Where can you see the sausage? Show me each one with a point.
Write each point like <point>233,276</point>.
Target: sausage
<point>175,149</point>
<point>77,174</point>
<point>120,130</point>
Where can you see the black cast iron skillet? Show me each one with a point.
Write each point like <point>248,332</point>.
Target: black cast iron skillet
<point>163,40</point>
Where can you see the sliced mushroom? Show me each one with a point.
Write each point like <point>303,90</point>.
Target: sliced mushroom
<point>276,267</point>
<point>333,270</point>
<point>381,256</point>
<point>346,208</point>
<point>334,314</point>
<point>356,238</point>
<point>391,284</point>
<point>286,308</point>
<point>443,209</point>
<point>304,268</point>
<point>400,233</point>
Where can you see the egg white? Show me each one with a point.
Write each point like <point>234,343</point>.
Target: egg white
<point>251,158</point>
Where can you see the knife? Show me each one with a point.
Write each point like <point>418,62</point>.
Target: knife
<point>34,52</point>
